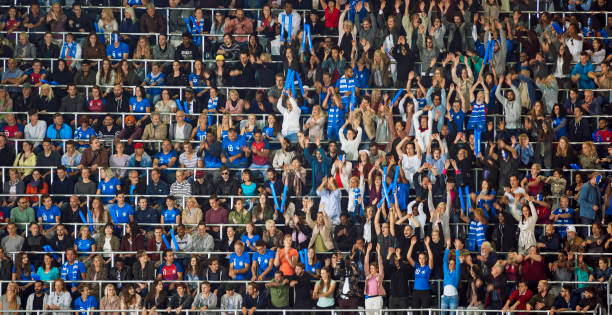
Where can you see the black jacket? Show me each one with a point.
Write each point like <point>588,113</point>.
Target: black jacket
<point>140,189</point>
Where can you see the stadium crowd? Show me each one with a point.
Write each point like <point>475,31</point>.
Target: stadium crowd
<point>239,156</point>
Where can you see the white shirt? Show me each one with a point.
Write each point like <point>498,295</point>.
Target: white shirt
<point>350,147</point>
<point>179,132</point>
<point>291,119</point>
<point>295,22</point>
<point>575,48</point>
<point>410,165</point>
<point>37,132</point>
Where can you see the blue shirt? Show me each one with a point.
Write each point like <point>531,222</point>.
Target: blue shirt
<point>239,263</point>
<point>72,272</point>
<point>421,277</point>
<point>170,215</point>
<point>64,133</point>
<point>197,81</point>
<point>48,215</point>
<point>84,245</point>
<point>109,188</point>
<point>264,261</point>
<point>233,148</point>
<point>458,119</point>
<point>362,78</point>
<point>251,240</point>
<point>122,214</point>
<point>117,52</point>
<point>84,134</point>
<point>89,303</point>
<point>344,85</point>
<point>164,158</point>
<point>584,82</point>
<point>563,229</point>
<point>139,107</point>
<point>151,78</point>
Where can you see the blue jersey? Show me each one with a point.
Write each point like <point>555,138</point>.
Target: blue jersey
<point>268,131</point>
<point>458,119</point>
<point>117,52</point>
<point>233,148</point>
<point>248,136</point>
<point>224,135</point>
<point>264,261</point>
<point>159,78</point>
<point>84,245</point>
<point>109,188</point>
<point>170,215</point>
<point>477,117</point>
<point>48,215</point>
<point>421,277</point>
<point>121,214</point>
<point>197,81</point>
<point>239,263</point>
<point>362,78</point>
<point>139,107</point>
<point>252,240</point>
<point>312,268</point>
<point>72,272</point>
<point>201,134</point>
<point>84,306</point>
<point>563,229</point>
<point>164,158</point>
<point>345,85</point>
<point>84,134</point>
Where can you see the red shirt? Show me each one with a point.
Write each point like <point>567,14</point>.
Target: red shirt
<point>332,16</point>
<point>11,131</point>
<point>522,298</point>
<point>96,105</point>
<point>259,147</point>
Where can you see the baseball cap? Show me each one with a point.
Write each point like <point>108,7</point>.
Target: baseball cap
<point>138,145</point>
<point>571,228</point>
<point>199,174</point>
<point>220,57</point>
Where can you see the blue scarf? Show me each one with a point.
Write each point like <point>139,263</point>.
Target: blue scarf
<point>69,49</point>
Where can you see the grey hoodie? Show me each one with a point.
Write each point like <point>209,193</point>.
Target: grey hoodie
<point>499,56</point>
<point>512,109</point>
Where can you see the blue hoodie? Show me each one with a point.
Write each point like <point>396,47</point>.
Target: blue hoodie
<point>451,277</point>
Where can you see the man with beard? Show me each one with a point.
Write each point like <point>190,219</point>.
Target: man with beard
<point>72,102</point>
<point>543,300</point>
<point>241,25</point>
<point>118,101</point>
<point>301,284</point>
<point>38,299</point>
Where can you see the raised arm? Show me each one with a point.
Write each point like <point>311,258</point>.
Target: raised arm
<point>429,253</point>
<point>409,256</point>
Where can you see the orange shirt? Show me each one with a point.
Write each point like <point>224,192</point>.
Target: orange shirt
<point>285,266</point>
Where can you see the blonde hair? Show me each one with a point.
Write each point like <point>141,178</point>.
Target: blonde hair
<point>109,172</point>
<point>270,224</point>
<point>234,92</point>
<point>50,96</point>
<point>11,295</point>
<point>108,286</point>
<point>130,10</point>
<point>108,12</point>
<point>592,150</point>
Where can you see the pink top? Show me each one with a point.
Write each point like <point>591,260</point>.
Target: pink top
<point>372,285</point>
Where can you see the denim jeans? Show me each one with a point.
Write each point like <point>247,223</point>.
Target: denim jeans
<point>449,302</point>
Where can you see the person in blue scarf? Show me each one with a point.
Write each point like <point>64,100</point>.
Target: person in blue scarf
<point>73,269</point>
